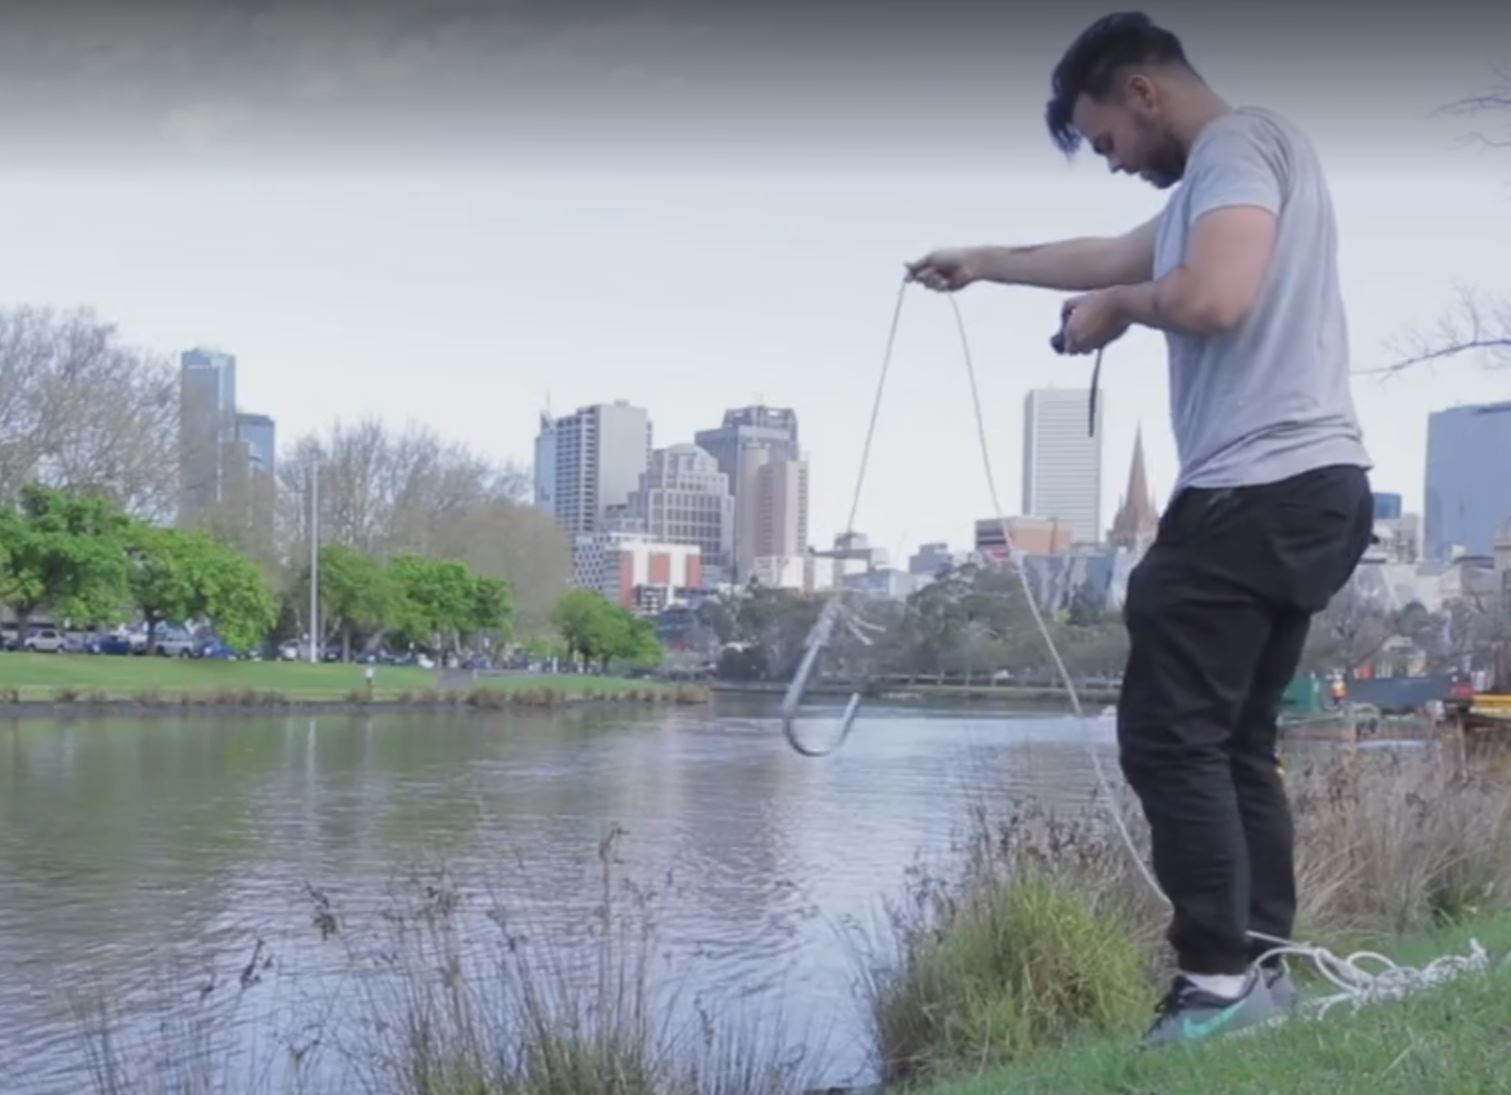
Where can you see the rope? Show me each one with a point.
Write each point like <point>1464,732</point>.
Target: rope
<point>1354,985</point>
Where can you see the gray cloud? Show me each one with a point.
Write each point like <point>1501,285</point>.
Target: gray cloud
<point>463,79</point>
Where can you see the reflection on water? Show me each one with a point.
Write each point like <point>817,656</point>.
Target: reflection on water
<point>136,855</point>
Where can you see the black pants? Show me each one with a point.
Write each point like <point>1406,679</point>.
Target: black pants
<point>1217,613</point>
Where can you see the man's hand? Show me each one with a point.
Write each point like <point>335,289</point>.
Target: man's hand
<point>1092,321</point>
<point>947,269</point>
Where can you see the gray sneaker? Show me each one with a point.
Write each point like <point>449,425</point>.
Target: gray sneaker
<point>1189,1014</point>
<point>1282,989</point>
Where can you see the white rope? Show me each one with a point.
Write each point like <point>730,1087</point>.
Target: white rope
<point>1354,985</point>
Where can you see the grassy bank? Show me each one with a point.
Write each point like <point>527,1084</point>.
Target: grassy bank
<point>150,682</point>
<point>1451,1039</point>
<point>1048,938</point>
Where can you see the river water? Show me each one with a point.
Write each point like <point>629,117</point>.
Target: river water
<point>141,861</point>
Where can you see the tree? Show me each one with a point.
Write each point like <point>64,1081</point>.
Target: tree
<point>586,621</point>
<point>600,632</point>
<point>1347,633</point>
<point>81,412</point>
<point>385,493</point>
<point>1478,323</point>
<point>358,598</point>
<point>237,599</point>
<point>164,571</point>
<point>492,608</point>
<point>438,599</point>
<point>65,552</point>
<point>182,575</point>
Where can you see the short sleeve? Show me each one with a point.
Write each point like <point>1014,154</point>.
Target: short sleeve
<point>1240,165</point>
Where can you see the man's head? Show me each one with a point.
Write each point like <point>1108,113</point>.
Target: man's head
<point>1119,86</point>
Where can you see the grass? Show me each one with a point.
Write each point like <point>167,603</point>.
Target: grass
<point>78,678</point>
<point>1453,1039</point>
<point>1046,937</point>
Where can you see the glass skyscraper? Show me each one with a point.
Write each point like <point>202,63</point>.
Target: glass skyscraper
<point>1468,485</point>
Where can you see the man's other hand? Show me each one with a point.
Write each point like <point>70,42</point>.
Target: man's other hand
<point>1091,321</point>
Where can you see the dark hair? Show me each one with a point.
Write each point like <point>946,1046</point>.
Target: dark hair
<point>1096,58</point>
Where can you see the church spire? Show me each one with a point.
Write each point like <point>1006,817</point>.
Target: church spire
<point>1137,520</point>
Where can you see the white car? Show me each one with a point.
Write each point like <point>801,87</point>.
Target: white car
<point>172,644</point>
<point>45,640</point>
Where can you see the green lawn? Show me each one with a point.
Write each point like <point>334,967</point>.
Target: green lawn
<point>42,676</point>
<point>1457,1038</point>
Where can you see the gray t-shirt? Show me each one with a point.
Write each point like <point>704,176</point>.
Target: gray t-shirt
<point>1269,399</point>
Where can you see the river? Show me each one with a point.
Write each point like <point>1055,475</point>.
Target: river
<point>141,860</point>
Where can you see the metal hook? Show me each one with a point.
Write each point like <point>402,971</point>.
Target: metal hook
<point>818,638</point>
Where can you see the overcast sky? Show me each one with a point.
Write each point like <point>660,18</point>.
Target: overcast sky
<point>448,212</point>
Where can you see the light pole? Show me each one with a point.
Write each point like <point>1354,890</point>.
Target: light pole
<point>314,558</point>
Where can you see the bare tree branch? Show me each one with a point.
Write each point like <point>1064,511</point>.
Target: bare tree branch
<point>1476,325</point>
<point>79,410</point>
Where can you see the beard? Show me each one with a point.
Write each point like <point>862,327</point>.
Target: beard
<point>1165,164</point>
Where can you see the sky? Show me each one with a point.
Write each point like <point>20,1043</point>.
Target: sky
<point>456,213</point>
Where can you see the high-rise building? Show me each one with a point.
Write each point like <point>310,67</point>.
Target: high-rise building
<point>545,464</point>
<point>757,448</point>
<point>599,454</point>
<point>932,558</point>
<point>1387,507</point>
<point>1137,520</point>
<point>1468,491</point>
<point>207,422</point>
<point>684,498</point>
<point>1062,462</point>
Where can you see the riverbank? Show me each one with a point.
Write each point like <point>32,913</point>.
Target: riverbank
<point>1448,1039</point>
<point>42,684</point>
<point>1092,698</point>
<point>1047,951</point>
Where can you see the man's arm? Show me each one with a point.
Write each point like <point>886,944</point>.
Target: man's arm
<point>1081,264</point>
<point>1214,289</point>
<point>1236,193</point>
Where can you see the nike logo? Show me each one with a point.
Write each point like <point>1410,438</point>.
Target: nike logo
<point>1192,1029</point>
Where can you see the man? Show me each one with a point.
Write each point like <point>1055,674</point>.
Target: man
<point>1271,511</point>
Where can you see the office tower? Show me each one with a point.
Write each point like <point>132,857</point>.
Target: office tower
<point>256,440</point>
<point>1137,520</point>
<point>600,452</point>
<point>1468,490</point>
<point>545,464</point>
<point>1387,507</point>
<point>207,422</point>
<point>684,498</point>
<point>1062,464</point>
<point>757,448</point>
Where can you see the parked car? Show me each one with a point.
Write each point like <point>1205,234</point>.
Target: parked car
<point>168,643</point>
<point>215,650</point>
<point>120,645</point>
<point>45,640</point>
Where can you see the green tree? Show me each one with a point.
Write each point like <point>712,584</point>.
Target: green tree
<point>586,622</point>
<point>180,575</point>
<point>359,600</point>
<point>65,552</point>
<point>492,608</point>
<point>236,598</point>
<point>438,599</point>
<point>164,566</point>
